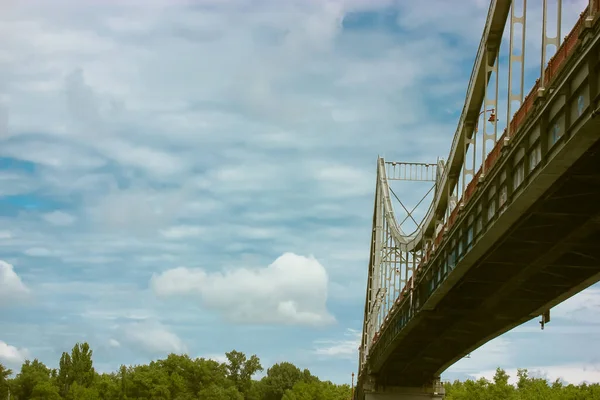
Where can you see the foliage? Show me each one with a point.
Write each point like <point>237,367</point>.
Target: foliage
<point>177,377</point>
<point>317,390</point>
<point>4,380</point>
<point>527,388</point>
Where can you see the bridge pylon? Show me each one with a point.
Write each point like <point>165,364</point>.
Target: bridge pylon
<point>394,259</point>
<point>435,391</point>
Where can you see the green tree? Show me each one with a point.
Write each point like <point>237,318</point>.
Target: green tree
<point>108,386</point>
<point>5,373</point>
<point>82,366</point>
<point>76,367</point>
<point>256,391</point>
<point>215,392</point>
<point>317,390</point>
<point>63,379</point>
<point>501,389</point>
<point>240,369</point>
<point>44,390</point>
<point>281,377</point>
<point>32,374</point>
<point>79,392</point>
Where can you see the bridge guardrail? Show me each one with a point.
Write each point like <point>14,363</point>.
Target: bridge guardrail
<point>553,68</point>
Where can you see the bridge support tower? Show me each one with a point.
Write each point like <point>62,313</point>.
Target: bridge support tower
<point>435,391</point>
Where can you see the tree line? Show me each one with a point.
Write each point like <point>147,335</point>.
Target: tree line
<point>526,388</point>
<point>177,377</point>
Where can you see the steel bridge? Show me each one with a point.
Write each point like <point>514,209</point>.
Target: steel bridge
<point>513,228</point>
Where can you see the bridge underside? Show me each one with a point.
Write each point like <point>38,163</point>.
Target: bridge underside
<point>550,254</point>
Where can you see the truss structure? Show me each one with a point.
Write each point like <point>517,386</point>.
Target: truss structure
<point>395,254</point>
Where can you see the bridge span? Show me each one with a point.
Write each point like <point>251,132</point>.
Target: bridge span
<point>505,239</point>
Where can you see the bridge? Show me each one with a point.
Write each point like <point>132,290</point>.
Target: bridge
<point>513,227</point>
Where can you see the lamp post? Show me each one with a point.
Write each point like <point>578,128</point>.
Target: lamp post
<point>493,119</point>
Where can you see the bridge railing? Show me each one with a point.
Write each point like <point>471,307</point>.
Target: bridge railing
<point>553,68</point>
<point>478,58</point>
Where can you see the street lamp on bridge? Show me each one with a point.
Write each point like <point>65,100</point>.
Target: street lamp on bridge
<point>491,119</point>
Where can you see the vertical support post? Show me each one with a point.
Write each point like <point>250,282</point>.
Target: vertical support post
<point>513,58</point>
<point>385,265</point>
<point>380,271</point>
<point>376,257</point>
<point>491,67</point>
<point>591,12</point>
<point>399,266</point>
<point>451,203</point>
<point>497,92</point>
<point>392,278</point>
<point>542,86</point>
<point>413,266</point>
<point>469,171</point>
<point>391,275</point>
<point>396,283</point>
<point>547,41</point>
<point>406,255</point>
<point>381,294</point>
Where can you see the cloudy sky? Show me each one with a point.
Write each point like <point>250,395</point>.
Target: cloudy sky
<point>197,176</point>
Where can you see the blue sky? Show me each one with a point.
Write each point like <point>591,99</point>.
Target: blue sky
<point>198,176</point>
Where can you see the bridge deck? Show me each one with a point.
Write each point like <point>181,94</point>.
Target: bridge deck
<point>541,248</point>
<point>548,255</point>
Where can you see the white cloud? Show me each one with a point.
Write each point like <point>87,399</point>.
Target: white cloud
<point>15,183</point>
<point>39,252</point>
<point>156,162</point>
<point>344,181</point>
<point>11,355</point>
<point>446,18</point>
<point>3,120</point>
<point>59,218</point>
<point>348,292</point>
<point>11,287</point>
<point>114,343</point>
<point>50,154</point>
<point>247,177</point>
<point>182,232</point>
<point>220,358</point>
<point>136,210</point>
<point>346,348</point>
<point>583,308</point>
<point>5,235</point>
<point>495,353</point>
<point>292,290</point>
<point>154,338</point>
<point>117,313</point>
